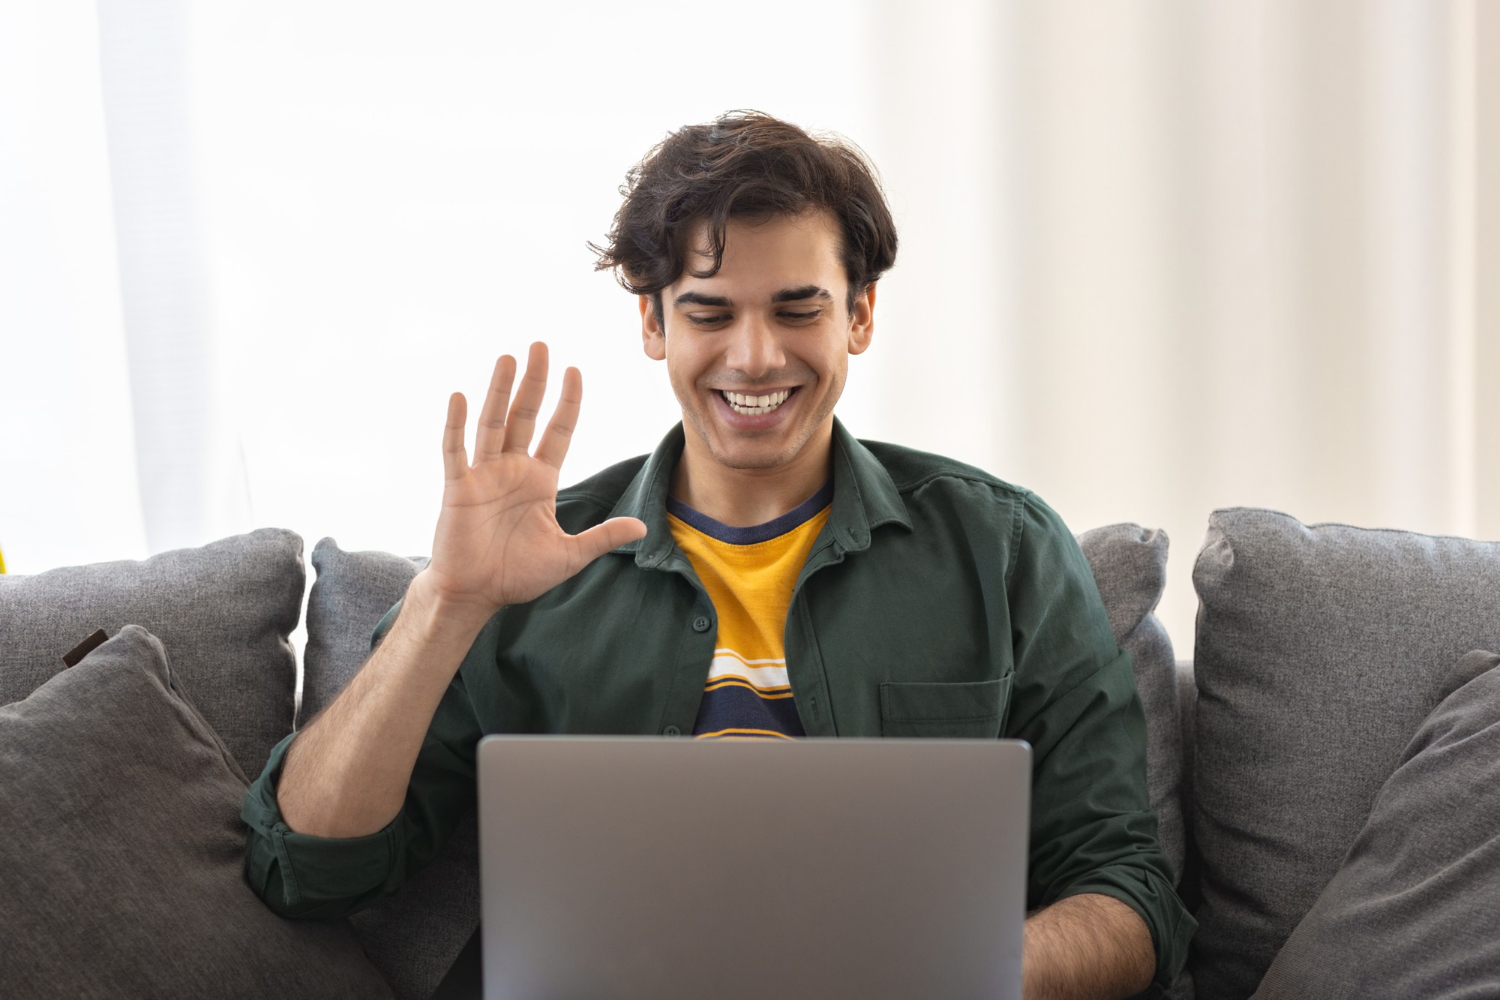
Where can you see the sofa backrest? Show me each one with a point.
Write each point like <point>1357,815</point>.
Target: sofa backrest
<point>1130,567</point>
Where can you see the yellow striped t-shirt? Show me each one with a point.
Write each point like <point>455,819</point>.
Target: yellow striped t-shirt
<point>749,574</point>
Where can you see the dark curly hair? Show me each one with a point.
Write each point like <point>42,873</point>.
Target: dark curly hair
<point>744,164</point>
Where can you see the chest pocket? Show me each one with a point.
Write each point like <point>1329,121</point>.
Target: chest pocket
<point>972,709</point>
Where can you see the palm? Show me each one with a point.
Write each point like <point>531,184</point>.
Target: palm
<point>498,541</point>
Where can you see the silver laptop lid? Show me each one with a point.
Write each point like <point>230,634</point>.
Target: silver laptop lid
<point>635,868</point>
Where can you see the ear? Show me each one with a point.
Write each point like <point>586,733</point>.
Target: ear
<point>653,334</point>
<point>862,320</point>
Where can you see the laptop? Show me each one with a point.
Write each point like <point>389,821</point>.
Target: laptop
<point>641,867</point>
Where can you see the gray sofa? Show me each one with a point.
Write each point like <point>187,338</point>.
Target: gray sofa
<point>1328,677</point>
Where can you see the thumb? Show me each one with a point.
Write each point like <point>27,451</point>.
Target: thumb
<point>602,538</point>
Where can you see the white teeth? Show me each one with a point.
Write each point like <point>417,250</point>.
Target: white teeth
<point>755,405</point>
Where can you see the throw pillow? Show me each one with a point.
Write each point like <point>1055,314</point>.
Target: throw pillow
<point>224,609</point>
<point>1319,650</point>
<point>1411,913</point>
<point>123,850</point>
<point>413,936</point>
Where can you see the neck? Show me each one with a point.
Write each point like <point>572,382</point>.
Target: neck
<point>741,498</point>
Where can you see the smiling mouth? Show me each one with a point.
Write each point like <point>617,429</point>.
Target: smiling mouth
<point>752,405</point>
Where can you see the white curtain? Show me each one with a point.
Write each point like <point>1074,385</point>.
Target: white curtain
<point>188,451</point>
<point>68,487</point>
<point>1229,254</point>
<point>1158,256</point>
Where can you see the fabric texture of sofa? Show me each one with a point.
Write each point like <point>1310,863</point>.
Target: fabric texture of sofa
<point>1279,761</point>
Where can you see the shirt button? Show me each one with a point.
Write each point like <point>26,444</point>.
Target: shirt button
<point>701,624</point>
<point>671,731</point>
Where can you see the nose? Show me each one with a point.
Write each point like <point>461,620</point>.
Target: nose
<point>754,347</point>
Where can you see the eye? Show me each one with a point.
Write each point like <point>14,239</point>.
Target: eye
<point>712,319</point>
<point>802,316</point>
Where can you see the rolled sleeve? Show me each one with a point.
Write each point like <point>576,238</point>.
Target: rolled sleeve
<point>300,875</point>
<point>1076,703</point>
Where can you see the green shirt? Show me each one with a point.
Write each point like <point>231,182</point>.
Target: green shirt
<point>937,601</point>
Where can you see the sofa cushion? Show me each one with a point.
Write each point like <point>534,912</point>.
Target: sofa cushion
<point>1319,651</point>
<point>1130,569</point>
<point>413,936</point>
<point>1411,912</point>
<point>224,611</point>
<point>350,593</point>
<point>123,850</point>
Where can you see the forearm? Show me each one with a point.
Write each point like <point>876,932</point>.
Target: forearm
<point>346,775</point>
<point>1087,946</point>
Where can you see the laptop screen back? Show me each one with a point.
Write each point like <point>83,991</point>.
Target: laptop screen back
<point>634,868</point>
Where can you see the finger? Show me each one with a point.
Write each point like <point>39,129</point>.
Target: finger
<point>553,447</point>
<point>489,436</point>
<point>601,538</point>
<point>520,424</point>
<point>455,459</point>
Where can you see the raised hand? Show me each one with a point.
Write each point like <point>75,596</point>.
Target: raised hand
<point>498,541</point>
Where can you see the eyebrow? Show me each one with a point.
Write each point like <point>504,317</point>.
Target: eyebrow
<point>785,295</point>
<point>798,294</point>
<point>695,299</point>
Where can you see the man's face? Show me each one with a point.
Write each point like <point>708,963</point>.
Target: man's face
<point>758,353</point>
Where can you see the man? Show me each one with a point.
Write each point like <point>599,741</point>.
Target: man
<point>761,574</point>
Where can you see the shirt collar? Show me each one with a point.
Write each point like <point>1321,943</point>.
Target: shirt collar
<point>864,497</point>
